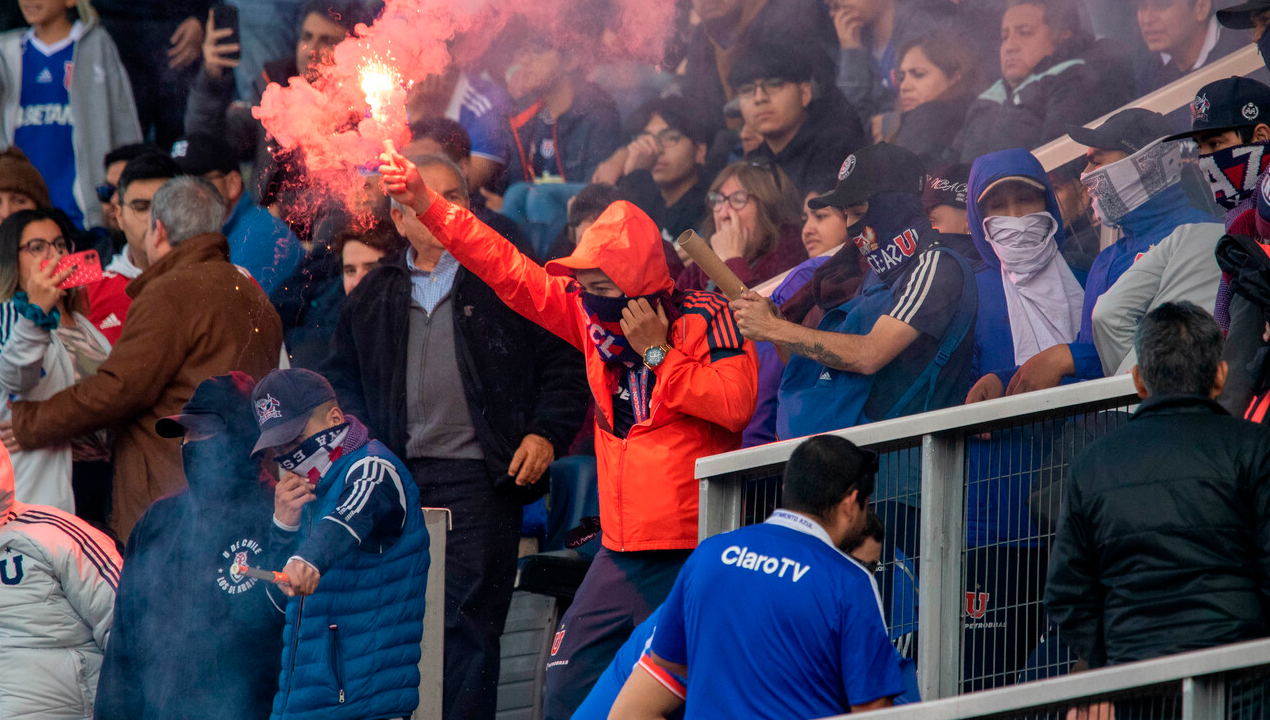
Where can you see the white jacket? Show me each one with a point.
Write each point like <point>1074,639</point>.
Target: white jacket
<point>57,596</point>
<point>35,365</point>
<point>1181,267</point>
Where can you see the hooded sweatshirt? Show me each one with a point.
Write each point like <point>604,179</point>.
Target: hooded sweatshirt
<point>994,347</point>
<point>57,593</point>
<point>1141,229</point>
<point>694,404</point>
<point>213,649</point>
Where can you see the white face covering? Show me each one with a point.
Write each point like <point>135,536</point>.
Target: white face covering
<point>1123,186</point>
<point>1042,297</point>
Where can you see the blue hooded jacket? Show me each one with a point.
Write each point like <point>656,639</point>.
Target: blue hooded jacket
<point>1141,229</point>
<point>994,343</point>
<point>1001,469</point>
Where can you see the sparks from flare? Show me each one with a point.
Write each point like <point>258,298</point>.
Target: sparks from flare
<point>378,82</point>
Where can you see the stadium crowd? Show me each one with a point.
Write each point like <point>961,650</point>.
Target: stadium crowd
<point>213,370</point>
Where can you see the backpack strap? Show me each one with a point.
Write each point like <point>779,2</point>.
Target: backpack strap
<point>956,332</point>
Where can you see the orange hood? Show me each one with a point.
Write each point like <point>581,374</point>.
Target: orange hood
<point>626,244</point>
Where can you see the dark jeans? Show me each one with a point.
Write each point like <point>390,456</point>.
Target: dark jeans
<point>620,591</point>
<point>160,92</point>
<point>480,571</point>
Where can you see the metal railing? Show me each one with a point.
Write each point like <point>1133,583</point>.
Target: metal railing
<point>1231,681</point>
<point>967,495</point>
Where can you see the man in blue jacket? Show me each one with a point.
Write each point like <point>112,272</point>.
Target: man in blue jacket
<point>1152,206</point>
<point>346,515</point>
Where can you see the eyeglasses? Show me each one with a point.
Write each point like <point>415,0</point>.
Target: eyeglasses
<point>138,206</point>
<point>769,85</point>
<point>106,192</point>
<point>666,137</point>
<point>41,247</point>
<point>737,200</point>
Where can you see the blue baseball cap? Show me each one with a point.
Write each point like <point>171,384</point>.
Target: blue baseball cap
<point>283,401</point>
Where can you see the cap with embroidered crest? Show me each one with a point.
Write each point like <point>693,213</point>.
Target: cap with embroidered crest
<point>283,401</point>
<point>1228,104</point>
<point>878,168</point>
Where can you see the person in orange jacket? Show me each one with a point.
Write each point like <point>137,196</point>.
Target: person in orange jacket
<point>673,381</point>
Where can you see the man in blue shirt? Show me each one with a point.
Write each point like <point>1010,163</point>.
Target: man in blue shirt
<point>259,242</point>
<point>775,620</point>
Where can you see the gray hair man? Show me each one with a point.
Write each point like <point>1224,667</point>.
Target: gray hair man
<point>193,316</point>
<point>183,208</point>
<point>1160,543</point>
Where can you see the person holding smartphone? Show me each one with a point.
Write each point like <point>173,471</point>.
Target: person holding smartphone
<point>47,345</point>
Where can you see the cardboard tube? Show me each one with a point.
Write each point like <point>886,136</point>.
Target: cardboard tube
<point>714,268</point>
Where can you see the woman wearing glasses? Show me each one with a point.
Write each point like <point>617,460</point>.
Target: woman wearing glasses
<point>47,345</point>
<point>753,224</point>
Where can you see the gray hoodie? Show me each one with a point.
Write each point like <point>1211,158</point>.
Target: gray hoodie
<point>102,109</point>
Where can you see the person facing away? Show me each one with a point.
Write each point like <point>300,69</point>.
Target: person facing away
<point>1161,540</point>
<point>793,580</point>
<point>193,315</point>
<point>58,577</point>
<point>673,381</point>
<point>194,637</point>
<point>347,521</point>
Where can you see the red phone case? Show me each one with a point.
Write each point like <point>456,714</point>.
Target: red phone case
<point>87,270</point>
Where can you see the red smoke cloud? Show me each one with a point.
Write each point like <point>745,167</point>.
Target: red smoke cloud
<point>340,120</point>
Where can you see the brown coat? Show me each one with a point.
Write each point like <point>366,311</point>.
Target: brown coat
<point>193,315</point>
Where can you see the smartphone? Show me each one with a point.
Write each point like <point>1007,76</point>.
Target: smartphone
<point>226,16</point>
<point>87,269</point>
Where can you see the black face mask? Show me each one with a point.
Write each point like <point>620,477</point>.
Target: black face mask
<point>214,469</point>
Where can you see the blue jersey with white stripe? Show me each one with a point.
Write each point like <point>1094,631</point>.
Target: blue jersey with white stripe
<point>44,128</point>
<point>773,621</point>
<point>480,107</point>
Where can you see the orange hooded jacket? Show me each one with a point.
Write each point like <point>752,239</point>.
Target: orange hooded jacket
<point>705,390</point>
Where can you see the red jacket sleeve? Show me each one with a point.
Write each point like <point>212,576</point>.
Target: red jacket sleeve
<point>520,282</point>
<point>723,392</point>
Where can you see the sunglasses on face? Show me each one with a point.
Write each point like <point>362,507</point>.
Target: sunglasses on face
<point>105,192</point>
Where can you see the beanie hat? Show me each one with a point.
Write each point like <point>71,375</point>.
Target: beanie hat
<point>18,175</point>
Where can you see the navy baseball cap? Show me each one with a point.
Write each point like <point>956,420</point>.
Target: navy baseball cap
<point>1239,17</point>
<point>1128,131</point>
<point>283,401</point>
<point>878,168</point>
<point>1228,104</point>
<point>203,154</point>
<point>217,404</point>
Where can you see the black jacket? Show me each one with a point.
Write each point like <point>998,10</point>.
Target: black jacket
<point>585,135</point>
<point>931,128</point>
<point>518,378</point>
<point>191,638</point>
<point>1083,80</point>
<point>814,155</point>
<point>1163,542</point>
